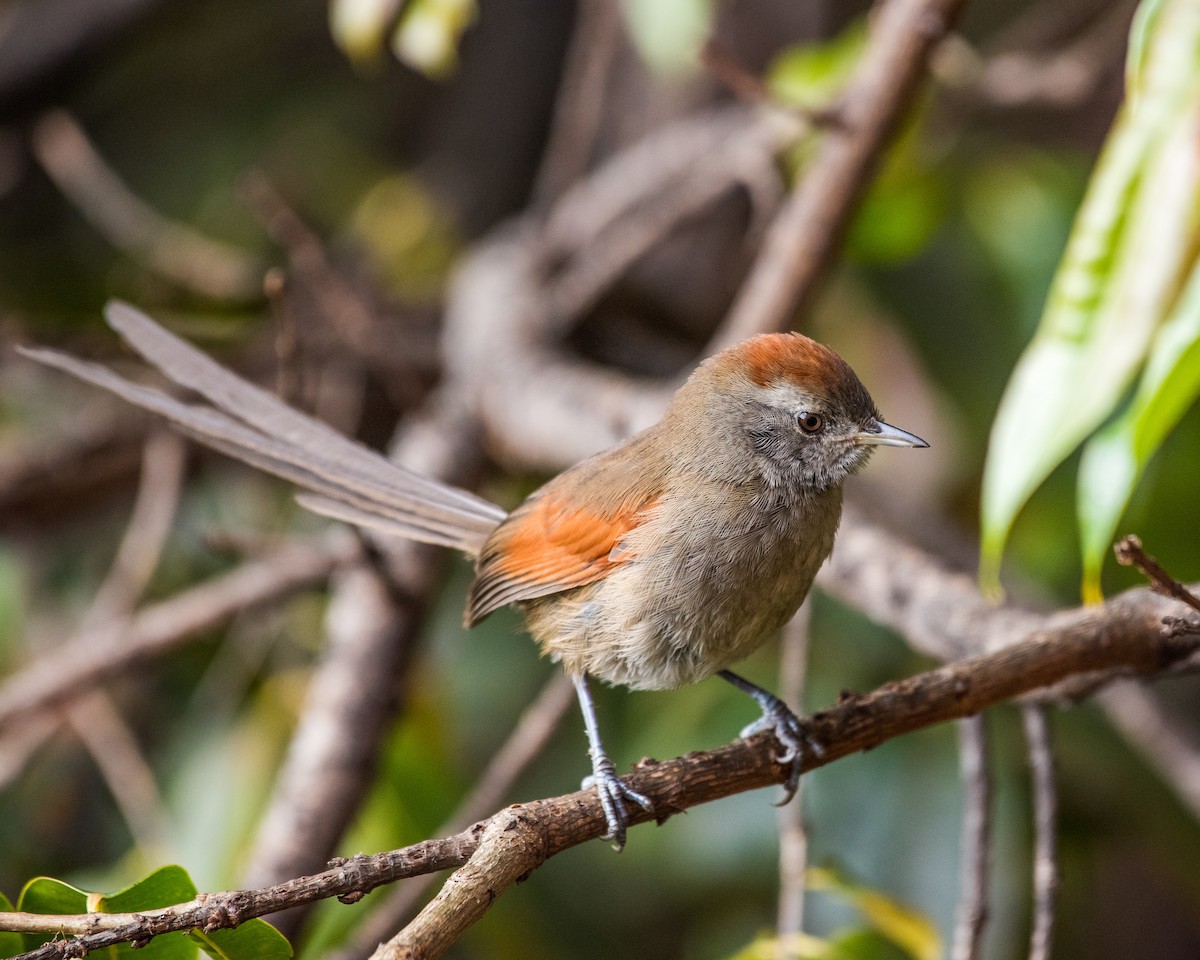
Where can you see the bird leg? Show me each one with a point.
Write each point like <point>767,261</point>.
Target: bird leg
<point>778,718</point>
<point>612,792</point>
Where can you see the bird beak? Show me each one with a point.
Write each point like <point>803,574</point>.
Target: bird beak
<point>885,435</point>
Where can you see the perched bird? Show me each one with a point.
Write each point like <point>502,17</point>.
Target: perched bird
<point>660,562</point>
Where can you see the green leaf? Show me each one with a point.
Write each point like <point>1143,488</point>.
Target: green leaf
<point>669,33</point>
<point>47,895</point>
<point>164,887</point>
<point>911,931</point>
<point>10,943</point>
<point>1144,26</point>
<point>1115,459</point>
<point>425,34</point>
<point>428,34</point>
<point>802,946</point>
<point>1127,255</point>
<point>864,945</point>
<point>810,75</point>
<point>253,940</point>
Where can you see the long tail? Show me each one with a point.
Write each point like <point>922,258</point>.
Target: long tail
<point>346,480</point>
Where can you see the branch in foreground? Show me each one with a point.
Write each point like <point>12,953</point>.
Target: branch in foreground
<point>550,826</point>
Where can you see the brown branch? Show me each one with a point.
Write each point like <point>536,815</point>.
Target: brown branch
<point>1045,821</point>
<point>512,844</point>
<point>806,233</point>
<point>974,862</point>
<point>1130,553</point>
<point>550,826</point>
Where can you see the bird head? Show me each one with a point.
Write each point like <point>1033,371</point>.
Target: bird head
<point>788,409</point>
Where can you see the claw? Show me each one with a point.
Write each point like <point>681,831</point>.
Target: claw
<point>613,794</point>
<point>609,788</point>
<point>791,732</point>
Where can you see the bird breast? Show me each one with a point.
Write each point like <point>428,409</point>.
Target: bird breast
<point>711,578</point>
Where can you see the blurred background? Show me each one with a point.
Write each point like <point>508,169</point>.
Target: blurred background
<point>173,154</point>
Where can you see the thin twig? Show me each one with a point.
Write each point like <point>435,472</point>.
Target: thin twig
<point>1130,553</point>
<point>163,461</point>
<point>53,680</point>
<point>974,861</point>
<point>793,839</point>
<point>741,82</point>
<point>346,309</point>
<point>94,718</point>
<point>1045,821</point>
<point>128,775</point>
<point>168,248</point>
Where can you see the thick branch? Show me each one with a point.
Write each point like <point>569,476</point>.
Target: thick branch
<point>1113,642</point>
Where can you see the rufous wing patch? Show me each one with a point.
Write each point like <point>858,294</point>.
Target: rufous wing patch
<point>548,545</point>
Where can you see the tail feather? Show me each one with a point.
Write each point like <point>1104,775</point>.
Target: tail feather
<point>350,481</point>
<point>266,413</point>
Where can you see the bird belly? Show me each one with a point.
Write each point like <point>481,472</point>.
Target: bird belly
<point>674,618</point>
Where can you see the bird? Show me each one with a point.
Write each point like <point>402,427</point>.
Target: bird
<point>660,562</point>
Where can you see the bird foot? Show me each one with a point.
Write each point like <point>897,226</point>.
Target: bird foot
<point>613,794</point>
<point>793,735</point>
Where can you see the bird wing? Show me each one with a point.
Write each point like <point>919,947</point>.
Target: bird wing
<point>550,544</point>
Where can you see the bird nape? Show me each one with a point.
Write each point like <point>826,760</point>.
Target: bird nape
<point>660,562</point>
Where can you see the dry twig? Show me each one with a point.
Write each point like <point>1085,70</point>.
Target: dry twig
<point>170,249</point>
<point>793,838</point>
<point>1045,839</point>
<point>1130,553</point>
<point>974,860</point>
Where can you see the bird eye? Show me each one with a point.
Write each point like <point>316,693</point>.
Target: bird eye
<point>810,422</point>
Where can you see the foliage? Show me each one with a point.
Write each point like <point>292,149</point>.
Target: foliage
<point>164,887</point>
<point>1124,292</point>
<point>424,34</point>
